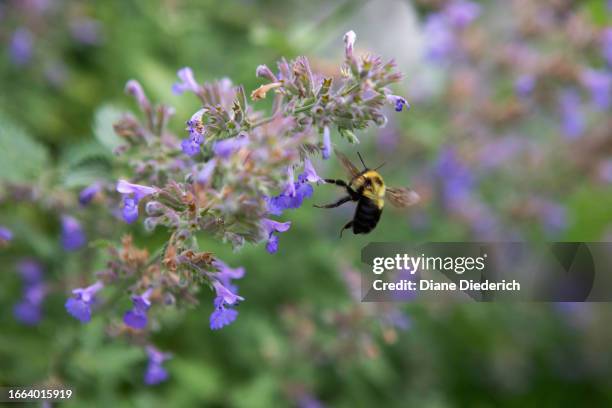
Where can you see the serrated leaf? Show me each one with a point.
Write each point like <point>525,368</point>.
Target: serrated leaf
<point>104,119</point>
<point>15,144</point>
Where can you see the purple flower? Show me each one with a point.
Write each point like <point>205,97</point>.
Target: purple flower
<point>186,82</point>
<point>133,87</point>
<point>326,143</point>
<point>606,45</point>
<point>457,180</point>
<point>21,46</point>
<point>310,175</point>
<point>599,84</point>
<point>30,270</point>
<point>136,318</point>
<point>226,147</point>
<point>225,274</point>
<point>73,236</point>
<point>223,313</point>
<point>5,234</point>
<point>86,31</point>
<point>263,71</point>
<point>132,194</point>
<point>190,146</point>
<point>222,316</point>
<point>461,13</point>
<point>88,193</point>
<point>524,85</point>
<point>276,205</point>
<point>204,175</point>
<point>79,305</point>
<point>139,191</point>
<point>129,210</point>
<point>398,102</point>
<point>270,227</point>
<point>440,39</point>
<point>572,120</point>
<point>28,310</point>
<point>156,373</point>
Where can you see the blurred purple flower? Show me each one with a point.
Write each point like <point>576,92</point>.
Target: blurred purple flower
<point>86,31</point>
<point>191,145</point>
<point>204,175</point>
<point>599,84</point>
<point>226,147</point>
<point>226,274</point>
<point>79,305</point>
<point>455,177</point>
<point>186,82</point>
<point>606,45</point>
<point>5,234</point>
<point>461,13</point>
<point>572,120</point>
<point>349,43</point>
<point>326,143</point>
<point>28,310</point>
<point>155,372</point>
<point>88,193</point>
<point>309,175</point>
<point>73,236</point>
<point>136,318</point>
<point>223,313</point>
<point>129,210</point>
<point>21,46</point>
<point>270,227</point>
<point>439,38</point>
<point>524,85</point>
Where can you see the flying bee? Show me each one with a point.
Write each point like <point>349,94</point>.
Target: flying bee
<point>368,189</point>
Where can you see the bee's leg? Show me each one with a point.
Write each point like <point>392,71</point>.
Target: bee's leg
<point>336,204</point>
<point>347,226</point>
<point>354,195</point>
<point>337,182</point>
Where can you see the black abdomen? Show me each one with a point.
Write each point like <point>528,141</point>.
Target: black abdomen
<point>367,215</point>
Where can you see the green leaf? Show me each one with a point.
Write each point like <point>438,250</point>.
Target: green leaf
<point>15,144</point>
<point>104,119</point>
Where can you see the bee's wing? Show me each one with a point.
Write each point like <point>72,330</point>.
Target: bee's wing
<point>402,197</point>
<point>346,163</point>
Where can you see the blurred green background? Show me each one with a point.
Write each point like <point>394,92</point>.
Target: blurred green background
<point>301,339</point>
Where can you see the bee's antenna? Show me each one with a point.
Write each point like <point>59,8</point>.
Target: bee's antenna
<point>380,166</point>
<point>362,162</point>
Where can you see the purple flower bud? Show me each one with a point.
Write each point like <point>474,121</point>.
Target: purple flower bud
<point>326,143</point>
<point>186,82</point>
<point>88,193</point>
<point>599,84</point>
<point>309,175</point>
<point>349,43</point>
<point>136,318</point>
<point>21,46</point>
<point>79,305</point>
<point>133,87</point>
<point>461,13</point>
<point>130,209</point>
<point>204,175</point>
<point>226,147</point>
<point>156,373</point>
<point>139,191</point>
<point>398,102</point>
<point>5,234</point>
<point>263,71</point>
<point>73,236</point>
<point>270,227</point>
<point>524,85</point>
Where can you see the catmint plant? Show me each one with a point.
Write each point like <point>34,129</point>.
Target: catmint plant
<point>231,176</point>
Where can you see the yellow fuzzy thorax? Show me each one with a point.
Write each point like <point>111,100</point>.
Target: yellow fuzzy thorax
<point>374,190</point>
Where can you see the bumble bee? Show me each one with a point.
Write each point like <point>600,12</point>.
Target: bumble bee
<point>368,189</point>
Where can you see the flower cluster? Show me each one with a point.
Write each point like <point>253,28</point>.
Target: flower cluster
<point>28,310</point>
<point>232,174</point>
